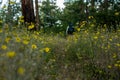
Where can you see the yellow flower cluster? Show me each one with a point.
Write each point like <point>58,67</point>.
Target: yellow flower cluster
<point>11,54</point>
<point>1,21</point>
<point>7,39</point>
<point>21,71</point>
<point>47,49</point>
<point>117,64</point>
<point>25,42</point>
<point>118,44</point>
<point>4,47</point>
<point>109,66</point>
<point>78,29</point>
<point>90,17</point>
<point>1,31</point>
<point>117,13</point>
<point>18,39</point>
<point>12,2</point>
<point>34,46</point>
<point>114,55</point>
<point>92,25</point>
<point>21,19</point>
<point>95,37</point>
<point>31,26</point>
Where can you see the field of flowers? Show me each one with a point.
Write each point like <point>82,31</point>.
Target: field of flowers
<point>86,55</point>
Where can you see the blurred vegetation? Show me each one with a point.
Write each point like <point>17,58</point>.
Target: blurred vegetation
<point>92,53</point>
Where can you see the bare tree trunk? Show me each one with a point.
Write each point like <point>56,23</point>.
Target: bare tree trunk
<point>28,11</point>
<point>87,10</point>
<point>37,15</point>
<point>93,4</point>
<point>106,4</point>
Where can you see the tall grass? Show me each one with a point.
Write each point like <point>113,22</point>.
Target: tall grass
<point>26,55</point>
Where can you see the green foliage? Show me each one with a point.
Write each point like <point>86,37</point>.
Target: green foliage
<point>52,19</point>
<point>102,14</point>
<point>49,14</point>
<point>74,12</point>
<point>10,12</point>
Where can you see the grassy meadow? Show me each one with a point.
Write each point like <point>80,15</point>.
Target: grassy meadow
<point>32,55</point>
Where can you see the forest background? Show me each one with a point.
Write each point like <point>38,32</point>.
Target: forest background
<point>34,44</point>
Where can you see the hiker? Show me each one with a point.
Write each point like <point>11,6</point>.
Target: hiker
<point>70,30</point>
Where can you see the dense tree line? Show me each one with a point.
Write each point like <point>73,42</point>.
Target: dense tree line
<point>48,15</point>
<point>104,12</point>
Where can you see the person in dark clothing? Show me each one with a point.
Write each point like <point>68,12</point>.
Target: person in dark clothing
<point>70,30</point>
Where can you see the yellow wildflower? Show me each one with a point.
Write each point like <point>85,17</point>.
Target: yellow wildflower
<point>116,65</point>
<point>95,37</point>
<point>114,55</point>
<point>119,65</point>
<point>25,42</point>
<point>100,71</point>
<point>92,25</point>
<point>102,37</point>
<point>78,29</point>
<point>18,39</point>
<point>110,39</point>
<point>118,61</point>
<point>34,46</point>
<point>1,31</point>
<point>4,47</point>
<point>90,17</point>
<point>98,33</point>
<point>31,26</point>
<point>7,39</point>
<point>21,70</point>
<point>1,21</point>
<point>84,23</point>
<point>117,13</point>
<point>105,25</point>
<point>118,44</point>
<point>21,19</point>
<point>11,54</point>
<point>12,2</point>
<point>47,49</point>
<point>118,30</point>
<point>108,47</point>
<point>109,66</point>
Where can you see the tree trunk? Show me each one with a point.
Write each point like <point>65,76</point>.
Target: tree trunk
<point>28,11</point>
<point>37,15</point>
<point>106,4</point>
<point>87,10</point>
<point>93,4</point>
